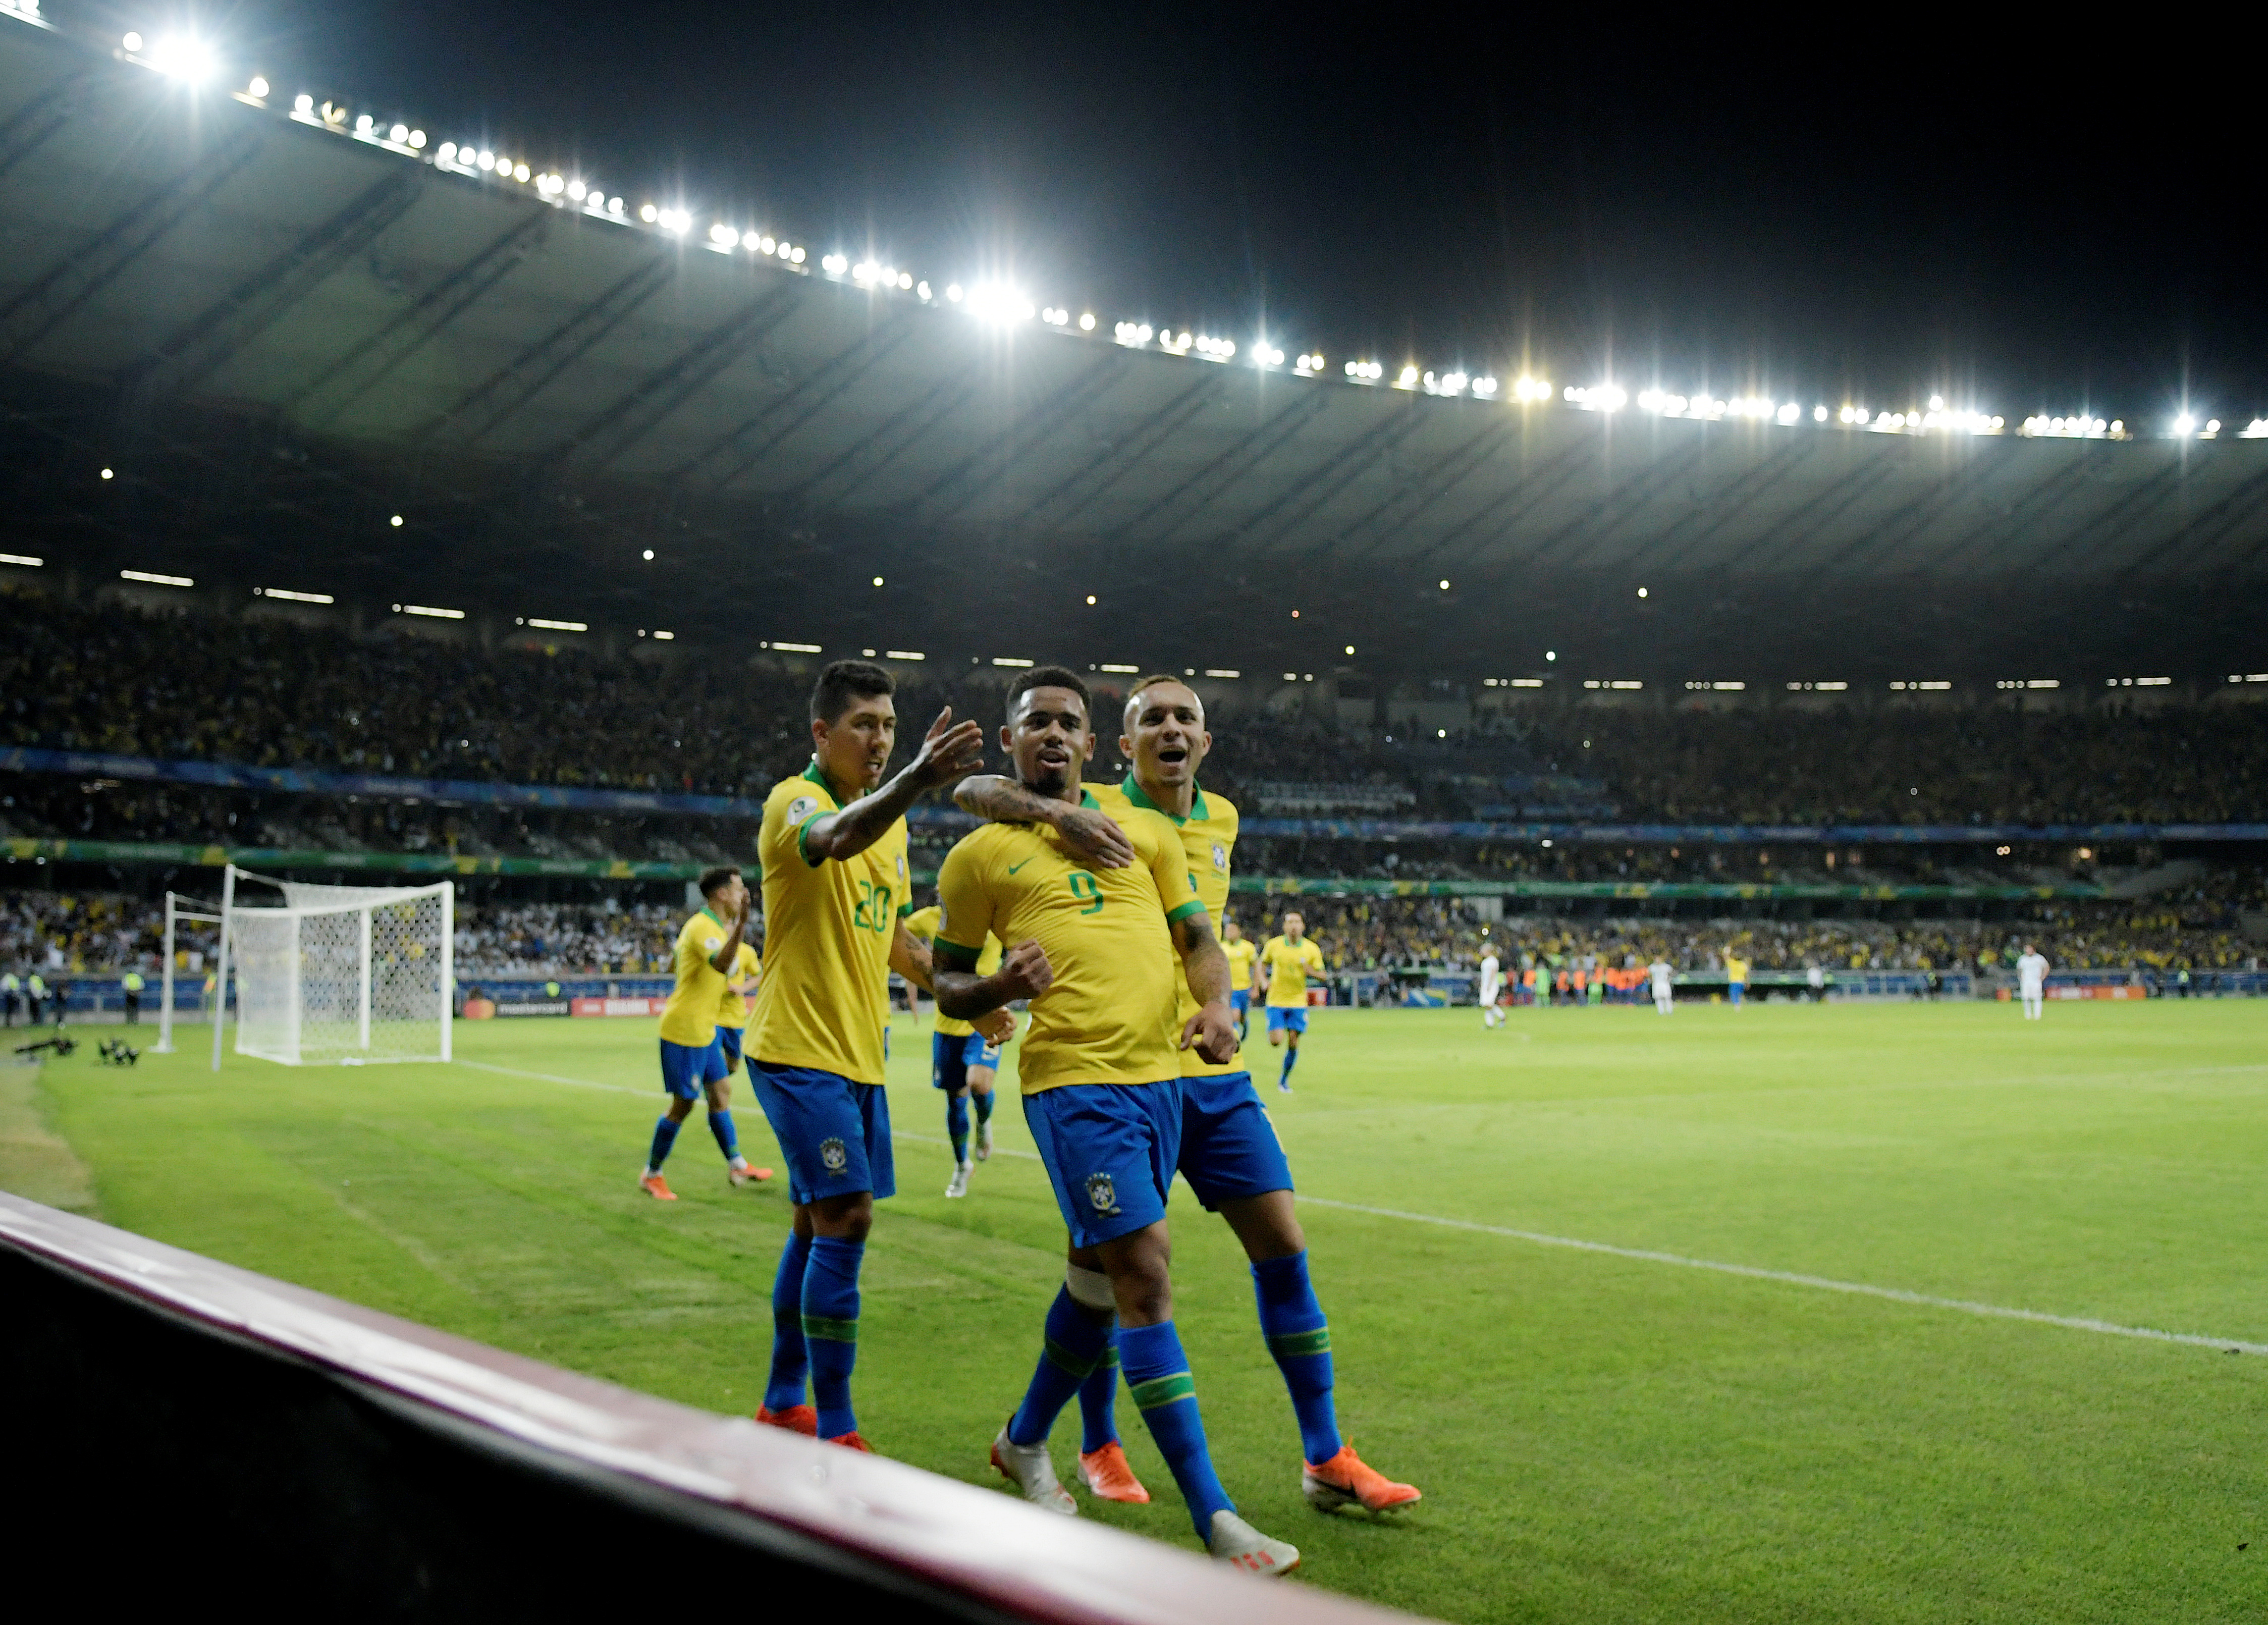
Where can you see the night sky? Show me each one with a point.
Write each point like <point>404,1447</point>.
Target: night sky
<point>1857,204</point>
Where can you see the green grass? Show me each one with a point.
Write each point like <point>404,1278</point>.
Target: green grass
<point>1599,1437</point>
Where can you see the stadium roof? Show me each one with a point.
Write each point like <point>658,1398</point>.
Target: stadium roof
<point>544,392</point>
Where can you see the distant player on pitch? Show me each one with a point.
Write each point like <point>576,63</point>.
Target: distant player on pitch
<point>833,846</point>
<point>1229,1151</point>
<point>1286,964</point>
<point>709,948</point>
<point>1095,950</point>
<point>1241,953</point>
<point>1663,979</point>
<point>962,1061</point>
<point>1490,1016</point>
<point>2032,982</point>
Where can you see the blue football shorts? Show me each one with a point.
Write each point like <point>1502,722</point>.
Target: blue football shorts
<point>1109,1151</point>
<point>728,1042</point>
<point>1287,1017</point>
<point>1229,1147</point>
<point>950,1057</point>
<point>1240,999</point>
<point>833,1135</point>
<point>686,1067</point>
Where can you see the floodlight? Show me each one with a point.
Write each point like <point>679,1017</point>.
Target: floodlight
<point>1444,587</point>
<point>365,124</point>
<point>577,191</point>
<point>417,140</point>
<point>647,212</point>
<point>107,474</point>
<point>797,257</point>
<point>614,205</point>
<point>258,87</point>
<point>1407,378</point>
<point>1937,403</point>
<point>399,133</point>
<point>921,291</point>
<point>2184,424</point>
<point>878,581</point>
<point>395,521</point>
<point>519,172</point>
<point>486,160</point>
<point>132,43</point>
<point>952,291</point>
<point>303,104</point>
<point>648,553</point>
<point>724,236</point>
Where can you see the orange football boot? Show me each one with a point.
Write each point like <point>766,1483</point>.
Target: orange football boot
<point>796,1419</point>
<point>654,1186</point>
<point>852,1441</point>
<point>1345,1480</point>
<point>748,1173</point>
<point>1106,1473</point>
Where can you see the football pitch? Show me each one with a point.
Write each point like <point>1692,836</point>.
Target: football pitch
<point>1522,1239</point>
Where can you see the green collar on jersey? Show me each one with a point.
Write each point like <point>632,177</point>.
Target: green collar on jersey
<point>817,774</point>
<point>1132,786</point>
<point>711,912</point>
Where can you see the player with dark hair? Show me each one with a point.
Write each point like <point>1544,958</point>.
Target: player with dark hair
<point>962,1063</point>
<point>1101,1071</point>
<point>1229,1152</point>
<point>1286,962</point>
<point>833,849</point>
<point>693,1064</point>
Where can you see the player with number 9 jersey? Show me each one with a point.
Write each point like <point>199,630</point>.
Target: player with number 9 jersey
<point>1110,1017</point>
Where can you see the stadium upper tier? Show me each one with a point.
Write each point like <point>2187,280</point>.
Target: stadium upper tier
<point>449,383</point>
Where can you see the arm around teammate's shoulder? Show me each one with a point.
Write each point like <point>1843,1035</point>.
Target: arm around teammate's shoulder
<point>1090,835</point>
<point>947,751</point>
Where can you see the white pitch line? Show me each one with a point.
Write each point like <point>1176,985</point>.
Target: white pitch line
<point>1785,1278</point>
<point>553,1078</point>
<point>1897,1295</point>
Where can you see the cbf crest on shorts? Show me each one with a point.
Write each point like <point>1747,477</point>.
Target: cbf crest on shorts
<point>833,1156</point>
<point>1102,1195</point>
<point>801,808</point>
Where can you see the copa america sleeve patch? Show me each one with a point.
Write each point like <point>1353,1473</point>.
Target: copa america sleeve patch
<point>801,808</point>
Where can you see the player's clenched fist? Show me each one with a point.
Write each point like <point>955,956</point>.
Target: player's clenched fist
<point>1025,973</point>
<point>948,752</point>
<point>998,1026</point>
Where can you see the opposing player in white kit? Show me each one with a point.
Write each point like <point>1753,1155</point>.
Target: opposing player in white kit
<point>1490,1016</point>
<point>1660,974</point>
<point>2032,982</point>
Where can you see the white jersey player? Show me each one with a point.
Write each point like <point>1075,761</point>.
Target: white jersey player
<point>1659,973</point>
<point>2032,982</point>
<point>1490,988</point>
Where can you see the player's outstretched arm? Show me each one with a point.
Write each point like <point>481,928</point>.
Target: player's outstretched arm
<point>1086,834</point>
<point>947,753</point>
<point>1213,1030</point>
<point>963,995</point>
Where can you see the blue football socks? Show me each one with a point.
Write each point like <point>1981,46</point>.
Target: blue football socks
<point>830,1329</point>
<point>1098,1403</point>
<point>984,1106</point>
<point>1291,1060</point>
<point>1076,1338</point>
<point>1158,1377</point>
<point>790,1362</point>
<point>1300,1338</point>
<point>956,1125</point>
<point>728,1138</point>
<point>665,1136</point>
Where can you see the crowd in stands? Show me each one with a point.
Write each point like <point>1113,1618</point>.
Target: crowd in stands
<point>108,932</point>
<point>101,677</point>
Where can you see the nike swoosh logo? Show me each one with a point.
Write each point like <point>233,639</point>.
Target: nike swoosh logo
<point>1014,867</point>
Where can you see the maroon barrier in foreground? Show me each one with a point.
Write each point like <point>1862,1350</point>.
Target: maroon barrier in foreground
<point>980,1545</point>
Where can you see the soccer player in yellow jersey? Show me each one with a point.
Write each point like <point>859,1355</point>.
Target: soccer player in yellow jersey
<point>962,1063</point>
<point>1095,949</point>
<point>693,1061</point>
<point>1286,964</point>
<point>733,1008</point>
<point>1241,953</point>
<point>1229,1151</point>
<point>833,848</point>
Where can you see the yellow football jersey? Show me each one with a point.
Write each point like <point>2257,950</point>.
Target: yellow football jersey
<point>1108,1016</point>
<point>828,931</point>
<point>1289,965</point>
<point>1208,837</point>
<point>1241,955</point>
<point>923,924</point>
<point>733,1007</point>
<point>690,1018</point>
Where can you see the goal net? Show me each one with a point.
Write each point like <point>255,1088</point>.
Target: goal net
<point>343,974</point>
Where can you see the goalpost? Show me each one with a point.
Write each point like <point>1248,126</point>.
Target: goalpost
<point>338,974</point>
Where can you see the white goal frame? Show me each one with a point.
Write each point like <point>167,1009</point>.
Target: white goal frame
<point>326,936</point>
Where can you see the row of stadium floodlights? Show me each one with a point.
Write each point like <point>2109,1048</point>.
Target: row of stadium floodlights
<point>538,624</point>
<point>193,61</point>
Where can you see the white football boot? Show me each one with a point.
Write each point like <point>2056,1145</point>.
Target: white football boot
<point>1235,1542</point>
<point>1032,1470</point>
<point>960,1186</point>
